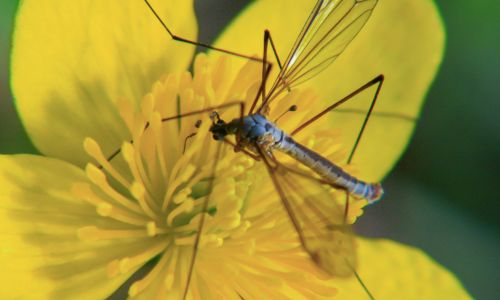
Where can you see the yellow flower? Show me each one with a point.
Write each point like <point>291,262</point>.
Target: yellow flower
<point>88,75</point>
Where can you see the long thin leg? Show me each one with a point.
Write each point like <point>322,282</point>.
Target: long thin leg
<point>294,218</point>
<point>205,206</point>
<point>202,221</point>
<point>358,278</point>
<point>192,113</point>
<point>242,150</point>
<point>204,45</point>
<point>273,46</point>
<point>264,79</point>
<point>256,99</point>
<point>375,81</point>
<point>297,216</point>
<point>197,112</point>
<point>282,195</point>
<point>380,114</point>
<point>346,207</point>
<point>268,40</point>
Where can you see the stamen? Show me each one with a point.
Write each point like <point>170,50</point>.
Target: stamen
<point>185,207</point>
<point>104,209</point>
<point>130,156</point>
<point>182,195</point>
<point>92,233</point>
<point>151,229</point>
<point>143,283</point>
<point>92,148</point>
<point>137,190</point>
<point>188,171</point>
<point>241,230</point>
<point>210,239</point>
<point>187,189</point>
<point>186,81</point>
<point>141,171</point>
<point>99,179</point>
<point>83,191</point>
<point>157,130</point>
<point>125,217</point>
<point>129,263</point>
<point>168,95</point>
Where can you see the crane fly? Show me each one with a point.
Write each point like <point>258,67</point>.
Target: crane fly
<point>306,193</point>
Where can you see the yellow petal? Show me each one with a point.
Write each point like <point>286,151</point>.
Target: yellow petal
<point>72,60</point>
<point>395,271</point>
<point>403,40</point>
<point>39,246</point>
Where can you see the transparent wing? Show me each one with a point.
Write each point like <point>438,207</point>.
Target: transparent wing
<point>317,212</point>
<point>331,26</point>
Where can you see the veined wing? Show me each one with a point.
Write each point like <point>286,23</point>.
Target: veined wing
<point>317,212</point>
<point>331,26</point>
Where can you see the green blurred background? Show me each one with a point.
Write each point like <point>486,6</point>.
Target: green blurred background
<point>443,195</point>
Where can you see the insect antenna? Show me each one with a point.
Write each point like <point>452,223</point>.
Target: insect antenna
<point>196,125</point>
<point>112,155</point>
<point>291,108</point>
<point>196,43</point>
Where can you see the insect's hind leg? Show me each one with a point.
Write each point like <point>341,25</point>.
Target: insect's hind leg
<point>196,43</point>
<point>266,68</point>
<point>378,80</point>
<point>268,40</point>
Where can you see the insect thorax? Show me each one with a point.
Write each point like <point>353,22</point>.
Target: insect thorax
<point>255,129</point>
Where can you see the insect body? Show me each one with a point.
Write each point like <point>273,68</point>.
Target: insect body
<point>256,129</point>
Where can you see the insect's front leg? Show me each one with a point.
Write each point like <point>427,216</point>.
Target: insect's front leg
<point>238,147</point>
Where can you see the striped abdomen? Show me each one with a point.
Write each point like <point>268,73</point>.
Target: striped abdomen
<point>329,171</point>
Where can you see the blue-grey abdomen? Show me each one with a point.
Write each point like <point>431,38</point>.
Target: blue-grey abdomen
<point>330,171</point>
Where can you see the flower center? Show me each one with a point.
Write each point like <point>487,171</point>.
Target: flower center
<point>152,193</point>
